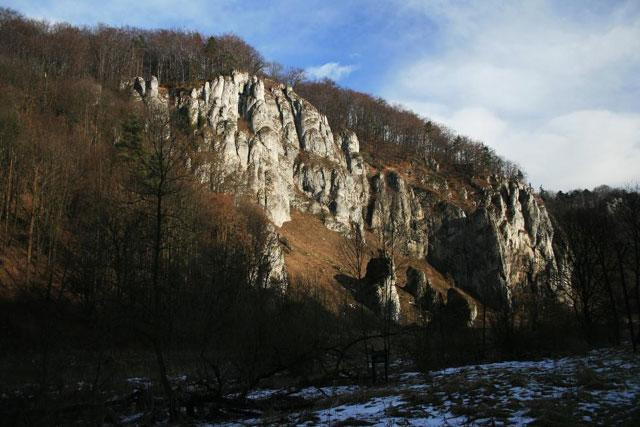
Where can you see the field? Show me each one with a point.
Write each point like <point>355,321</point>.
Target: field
<point>601,387</point>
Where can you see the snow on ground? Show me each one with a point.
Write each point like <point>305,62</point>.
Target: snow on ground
<point>602,387</point>
<point>305,393</point>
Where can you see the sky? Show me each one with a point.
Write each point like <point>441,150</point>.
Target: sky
<point>551,85</point>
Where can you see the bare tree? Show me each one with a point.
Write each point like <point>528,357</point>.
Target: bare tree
<point>628,214</point>
<point>157,157</point>
<point>354,251</point>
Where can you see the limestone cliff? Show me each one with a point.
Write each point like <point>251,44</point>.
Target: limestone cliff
<point>289,157</point>
<point>282,144</point>
<point>505,242</point>
<point>380,292</point>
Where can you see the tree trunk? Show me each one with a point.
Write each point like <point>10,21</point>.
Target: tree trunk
<point>158,348</point>
<point>7,202</point>
<point>612,303</point>
<point>32,222</point>
<point>484,330</point>
<point>164,380</point>
<point>627,303</point>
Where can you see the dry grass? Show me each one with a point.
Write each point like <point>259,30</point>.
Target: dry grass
<point>243,126</point>
<point>315,160</point>
<point>553,412</point>
<point>419,175</point>
<point>588,378</point>
<point>270,84</point>
<point>315,255</point>
<point>571,391</point>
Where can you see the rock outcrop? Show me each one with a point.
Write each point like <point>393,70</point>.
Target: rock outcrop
<point>507,241</point>
<point>417,283</point>
<point>458,309</point>
<point>379,291</point>
<point>425,296</point>
<point>279,142</point>
<point>272,271</point>
<point>286,156</point>
<point>395,210</point>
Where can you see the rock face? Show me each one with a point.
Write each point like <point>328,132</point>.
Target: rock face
<point>459,310</point>
<point>272,272</point>
<point>507,241</point>
<point>417,284</point>
<point>425,296</point>
<point>396,211</point>
<point>286,156</point>
<point>281,144</point>
<point>380,291</point>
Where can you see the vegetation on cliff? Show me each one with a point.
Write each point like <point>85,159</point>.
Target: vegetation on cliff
<point>117,249</point>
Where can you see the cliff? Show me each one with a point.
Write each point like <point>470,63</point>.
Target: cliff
<point>505,242</point>
<point>488,237</point>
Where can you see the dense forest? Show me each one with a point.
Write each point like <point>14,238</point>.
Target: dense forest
<point>51,54</point>
<point>601,231</point>
<point>116,260</point>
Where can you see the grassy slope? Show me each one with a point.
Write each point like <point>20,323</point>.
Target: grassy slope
<point>315,253</point>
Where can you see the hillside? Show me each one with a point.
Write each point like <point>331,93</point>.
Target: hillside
<point>181,229</point>
<point>291,159</point>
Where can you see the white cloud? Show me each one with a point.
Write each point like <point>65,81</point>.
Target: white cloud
<point>330,70</point>
<point>581,149</point>
<point>555,90</point>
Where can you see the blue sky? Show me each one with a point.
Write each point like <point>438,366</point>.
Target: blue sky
<point>552,85</point>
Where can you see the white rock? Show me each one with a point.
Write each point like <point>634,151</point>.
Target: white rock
<point>152,87</point>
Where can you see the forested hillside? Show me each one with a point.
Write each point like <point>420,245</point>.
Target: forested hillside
<point>601,229</point>
<point>182,221</point>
